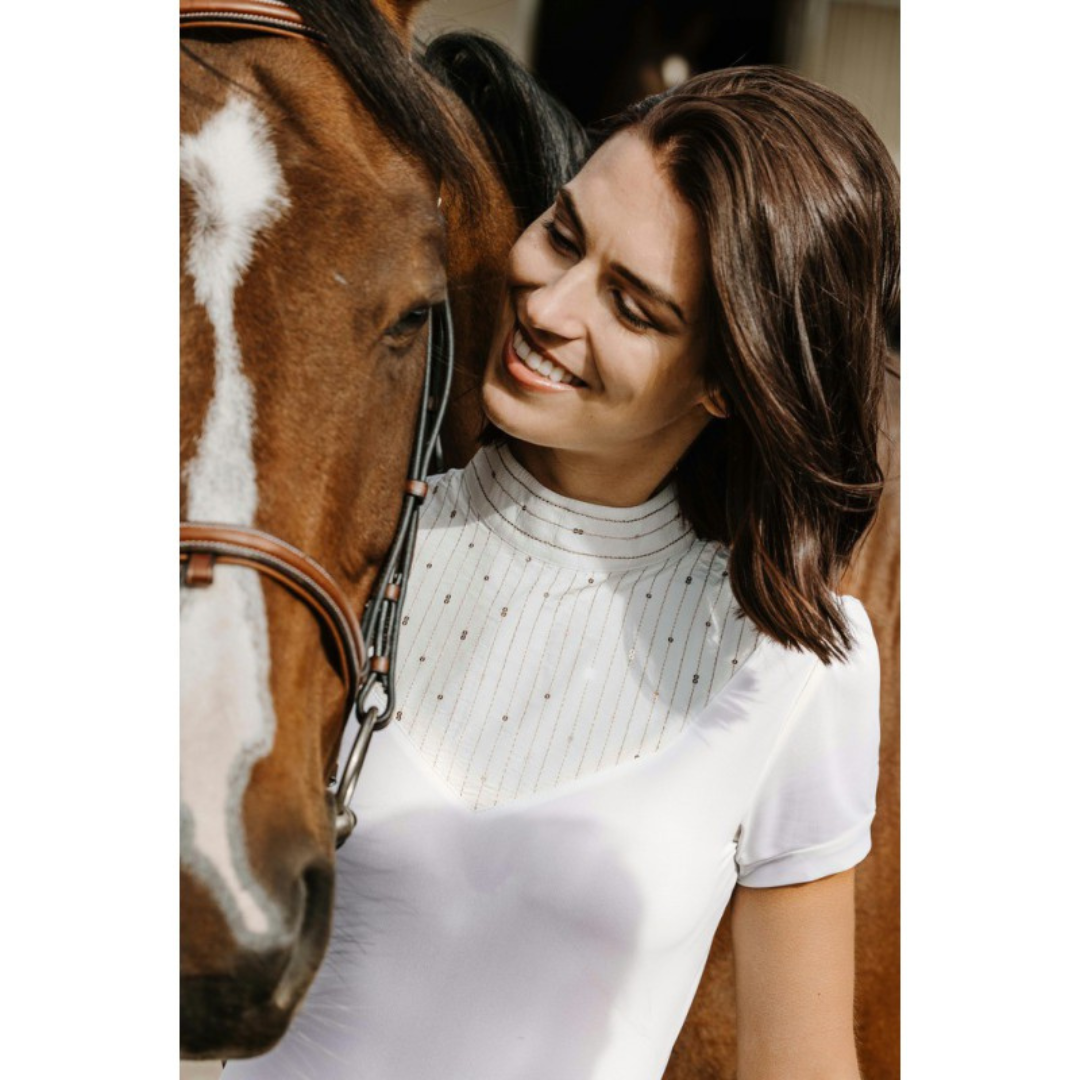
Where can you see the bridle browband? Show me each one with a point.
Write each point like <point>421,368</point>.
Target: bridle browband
<point>366,648</point>
<point>265,16</point>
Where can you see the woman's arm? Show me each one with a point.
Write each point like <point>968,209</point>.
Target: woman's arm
<point>794,949</point>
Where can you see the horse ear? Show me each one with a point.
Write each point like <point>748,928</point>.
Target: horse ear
<point>400,14</point>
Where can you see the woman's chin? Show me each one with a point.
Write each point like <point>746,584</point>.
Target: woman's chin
<point>516,418</point>
<point>505,411</point>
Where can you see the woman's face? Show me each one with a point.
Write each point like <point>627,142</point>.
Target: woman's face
<point>604,298</point>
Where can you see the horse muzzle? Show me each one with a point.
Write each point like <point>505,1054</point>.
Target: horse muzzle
<point>236,1002</point>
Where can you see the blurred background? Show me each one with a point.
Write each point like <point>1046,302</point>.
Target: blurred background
<point>597,56</point>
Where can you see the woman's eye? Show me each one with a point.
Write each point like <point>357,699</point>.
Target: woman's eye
<point>633,319</point>
<point>409,323</point>
<point>559,241</point>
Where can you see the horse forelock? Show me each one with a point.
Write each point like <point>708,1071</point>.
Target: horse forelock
<point>370,42</point>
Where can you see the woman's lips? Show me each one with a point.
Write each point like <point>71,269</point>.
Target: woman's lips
<point>523,374</point>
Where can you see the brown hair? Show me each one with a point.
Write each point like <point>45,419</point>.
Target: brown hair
<point>798,203</point>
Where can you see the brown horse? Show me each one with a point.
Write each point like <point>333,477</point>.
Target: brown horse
<point>313,249</point>
<point>706,1048</point>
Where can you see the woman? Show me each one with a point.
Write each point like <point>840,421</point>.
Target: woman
<point>630,689</point>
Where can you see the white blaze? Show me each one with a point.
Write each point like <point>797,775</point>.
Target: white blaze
<point>227,717</point>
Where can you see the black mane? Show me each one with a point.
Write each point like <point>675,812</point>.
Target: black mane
<point>536,143</point>
<point>392,85</point>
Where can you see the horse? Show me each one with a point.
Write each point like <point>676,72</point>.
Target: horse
<point>328,207</point>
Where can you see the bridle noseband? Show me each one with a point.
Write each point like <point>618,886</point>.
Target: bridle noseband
<point>366,648</point>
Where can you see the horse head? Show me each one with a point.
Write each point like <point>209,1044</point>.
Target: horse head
<point>314,250</point>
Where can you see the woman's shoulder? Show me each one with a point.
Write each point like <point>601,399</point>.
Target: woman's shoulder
<point>774,670</point>
<point>860,632</point>
<point>707,563</point>
<point>815,800</point>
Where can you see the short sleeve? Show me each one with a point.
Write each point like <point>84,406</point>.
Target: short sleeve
<point>810,815</point>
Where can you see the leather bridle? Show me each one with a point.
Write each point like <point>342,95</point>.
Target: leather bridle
<point>366,647</point>
<point>265,16</point>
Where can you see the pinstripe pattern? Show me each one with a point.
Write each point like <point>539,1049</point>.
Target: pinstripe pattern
<point>546,639</point>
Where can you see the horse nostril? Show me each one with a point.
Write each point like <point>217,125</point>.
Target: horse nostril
<point>317,882</point>
<point>316,890</point>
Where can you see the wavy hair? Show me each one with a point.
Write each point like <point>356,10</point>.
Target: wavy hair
<point>797,200</point>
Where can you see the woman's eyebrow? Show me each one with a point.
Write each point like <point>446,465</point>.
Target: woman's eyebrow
<point>654,293</point>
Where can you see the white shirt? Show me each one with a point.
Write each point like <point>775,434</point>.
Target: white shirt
<point>590,748</point>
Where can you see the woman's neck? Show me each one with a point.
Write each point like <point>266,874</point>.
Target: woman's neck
<point>592,478</point>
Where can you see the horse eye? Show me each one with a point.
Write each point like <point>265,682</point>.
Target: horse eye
<point>410,323</point>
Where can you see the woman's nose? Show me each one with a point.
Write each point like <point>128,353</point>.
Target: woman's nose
<point>559,305</point>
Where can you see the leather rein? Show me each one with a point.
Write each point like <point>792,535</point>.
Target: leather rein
<point>366,647</point>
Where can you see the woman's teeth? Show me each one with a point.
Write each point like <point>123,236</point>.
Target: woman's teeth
<point>541,364</point>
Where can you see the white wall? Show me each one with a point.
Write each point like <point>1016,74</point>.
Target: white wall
<point>853,48</point>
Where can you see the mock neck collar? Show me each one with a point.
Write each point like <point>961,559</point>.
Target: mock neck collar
<point>568,532</point>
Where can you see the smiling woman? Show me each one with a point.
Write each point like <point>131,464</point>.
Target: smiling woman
<point>631,692</point>
<point>608,288</point>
